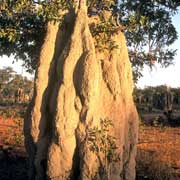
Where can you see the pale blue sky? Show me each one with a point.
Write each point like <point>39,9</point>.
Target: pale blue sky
<point>158,76</point>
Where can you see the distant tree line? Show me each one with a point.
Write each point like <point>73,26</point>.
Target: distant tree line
<point>159,97</point>
<point>14,87</point>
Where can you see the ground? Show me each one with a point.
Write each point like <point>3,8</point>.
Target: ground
<point>13,159</point>
<point>158,156</point>
<point>159,153</point>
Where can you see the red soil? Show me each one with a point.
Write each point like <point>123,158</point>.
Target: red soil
<point>11,135</point>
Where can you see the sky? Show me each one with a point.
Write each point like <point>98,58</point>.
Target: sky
<point>17,66</point>
<point>157,76</point>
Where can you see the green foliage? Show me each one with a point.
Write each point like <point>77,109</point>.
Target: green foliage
<point>103,4</point>
<point>22,31</point>
<point>102,33</point>
<point>104,146</point>
<point>52,10</point>
<point>149,32</point>
<point>23,26</point>
<point>149,28</point>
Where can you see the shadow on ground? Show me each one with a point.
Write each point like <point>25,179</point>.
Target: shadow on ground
<point>12,167</point>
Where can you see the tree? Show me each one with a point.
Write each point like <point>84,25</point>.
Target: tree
<point>5,75</point>
<point>150,32</point>
<point>10,81</point>
<point>22,31</point>
<point>147,25</point>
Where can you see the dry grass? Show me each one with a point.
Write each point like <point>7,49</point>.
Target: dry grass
<point>11,128</point>
<point>158,155</point>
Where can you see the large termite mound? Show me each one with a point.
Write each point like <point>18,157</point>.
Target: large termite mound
<point>77,88</point>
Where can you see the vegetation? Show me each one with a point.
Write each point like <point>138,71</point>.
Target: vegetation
<point>161,104</point>
<point>158,153</point>
<point>147,25</point>
<point>104,146</point>
<point>150,32</point>
<point>144,96</point>
<point>10,82</point>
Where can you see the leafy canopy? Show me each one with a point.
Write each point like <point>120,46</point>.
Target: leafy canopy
<point>150,32</point>
<point>147,26</point>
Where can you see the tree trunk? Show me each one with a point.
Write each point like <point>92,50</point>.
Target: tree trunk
<point>77,89</point>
